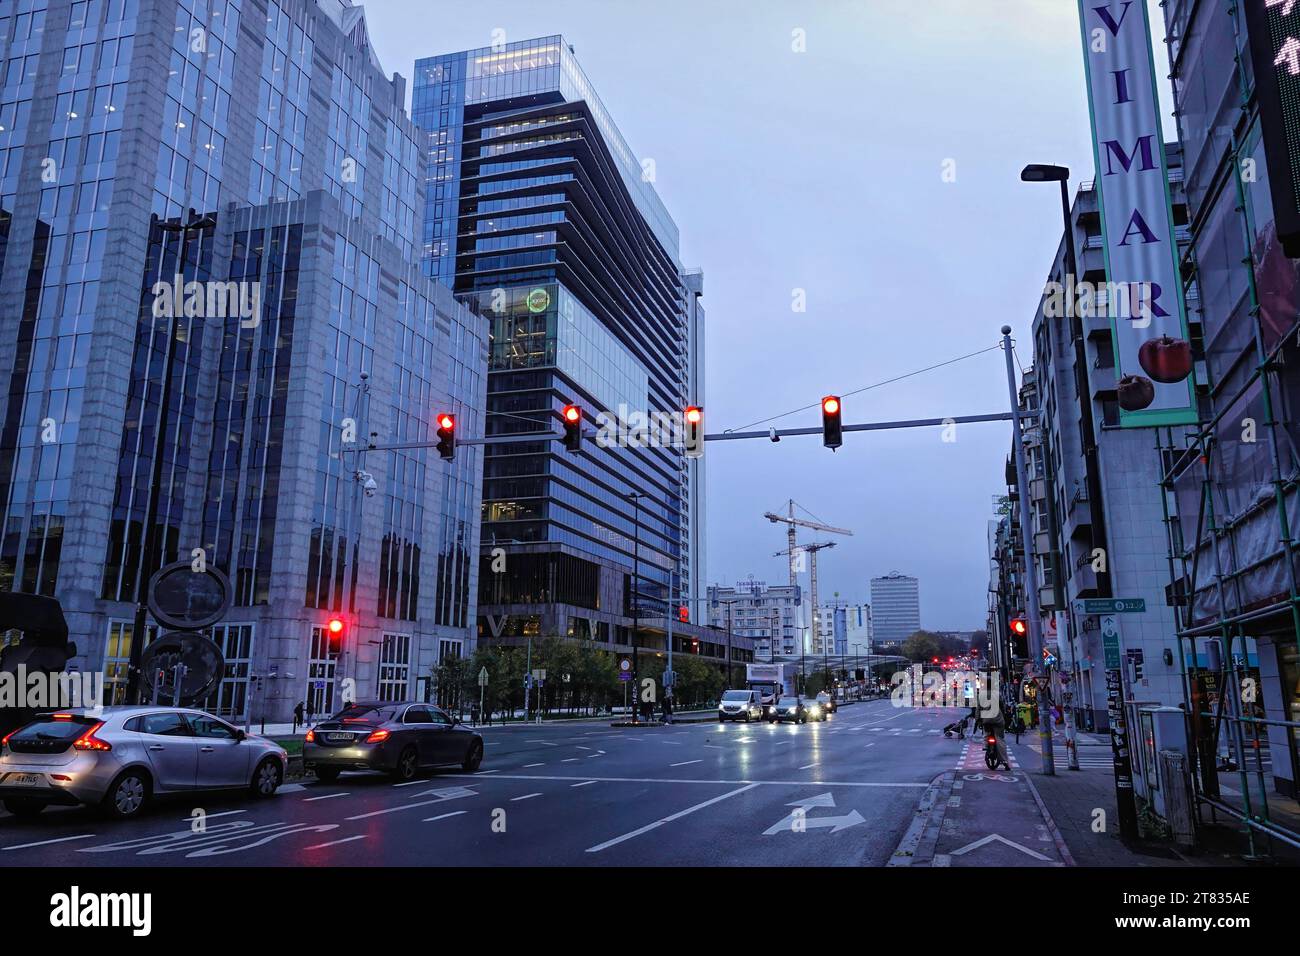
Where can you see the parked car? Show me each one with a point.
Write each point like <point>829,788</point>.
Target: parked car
<point>120,758</point>
<point>827,702</point>
<point>743,705</point>
<point>791,708</point>
<point>398,738</point>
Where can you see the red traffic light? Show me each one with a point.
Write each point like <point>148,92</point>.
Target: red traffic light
<point>335,626</point>
<point>571,419</point>
<point>447,436</point>
<point>694,416</point>
<point>832,427</point>
<point>934,661</point>
<point>1018,625</point>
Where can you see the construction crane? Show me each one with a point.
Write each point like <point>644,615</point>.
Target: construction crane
<point>792,522</point>
<point>811,549</point>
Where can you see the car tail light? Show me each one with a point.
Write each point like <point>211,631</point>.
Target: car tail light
<point>311,736</point>
<point>5,740</point>
<point>377,736</point>
<point>88,740</point>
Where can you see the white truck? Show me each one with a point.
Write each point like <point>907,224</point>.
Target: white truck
<point>771,681</point>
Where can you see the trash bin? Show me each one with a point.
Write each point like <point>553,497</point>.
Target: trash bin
<point>1026,714</point>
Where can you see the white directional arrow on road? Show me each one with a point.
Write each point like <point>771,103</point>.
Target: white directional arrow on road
<point>786,823</point>
<point>1001,839</point>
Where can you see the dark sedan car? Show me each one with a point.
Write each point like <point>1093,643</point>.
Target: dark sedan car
<point>791,708</point>
<point>400,739</point>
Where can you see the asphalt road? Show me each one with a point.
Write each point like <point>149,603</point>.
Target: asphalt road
<point>842,792</point>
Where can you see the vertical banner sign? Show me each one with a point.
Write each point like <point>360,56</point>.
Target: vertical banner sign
<point>1153,353</point>
<point>1121,758</point>
<point>1274,30</point>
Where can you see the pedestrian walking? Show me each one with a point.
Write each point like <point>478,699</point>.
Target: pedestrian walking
<point>297,715</point>
<point>473,713</point>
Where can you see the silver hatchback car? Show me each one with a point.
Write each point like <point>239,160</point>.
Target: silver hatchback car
<point>119,758</point>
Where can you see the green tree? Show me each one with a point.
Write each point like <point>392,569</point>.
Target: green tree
<point>922,646</point>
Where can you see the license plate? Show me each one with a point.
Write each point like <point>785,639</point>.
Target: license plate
<point>24,780</point>
<point>339,737</point>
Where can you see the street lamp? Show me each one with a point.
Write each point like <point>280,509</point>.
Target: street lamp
<point>635,497</point>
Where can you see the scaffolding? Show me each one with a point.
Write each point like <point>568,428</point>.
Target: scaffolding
<point>1233,572</point>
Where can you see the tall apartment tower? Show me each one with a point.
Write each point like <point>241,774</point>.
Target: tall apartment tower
<point>256,147</point>
<point>895,609</point>
<point>543,220</point>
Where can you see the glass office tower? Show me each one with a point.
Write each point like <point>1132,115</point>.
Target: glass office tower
<point>541,218</point>
<point>260,146</point>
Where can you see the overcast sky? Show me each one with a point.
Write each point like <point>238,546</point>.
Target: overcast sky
<point>823,171</point>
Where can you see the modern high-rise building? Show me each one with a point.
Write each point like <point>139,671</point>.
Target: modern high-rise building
<point>895,609</point>
<point>773,617</point>
<point>161,161</point>
<point>542,219</point>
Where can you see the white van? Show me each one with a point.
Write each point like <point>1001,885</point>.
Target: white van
<point>743,705</point>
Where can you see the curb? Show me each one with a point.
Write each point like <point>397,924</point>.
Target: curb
<point>918,843</point>
<point>1059,840</point>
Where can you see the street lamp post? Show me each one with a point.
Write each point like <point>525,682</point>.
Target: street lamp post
<point>635,498</point>
<point>151,546</point>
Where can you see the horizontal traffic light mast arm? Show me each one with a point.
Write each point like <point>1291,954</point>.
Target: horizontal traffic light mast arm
<point>494,440</point>
<point>870,426</point>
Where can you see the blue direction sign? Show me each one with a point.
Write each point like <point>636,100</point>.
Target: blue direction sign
<point>1111,606</point>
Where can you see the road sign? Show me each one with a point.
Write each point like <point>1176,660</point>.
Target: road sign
<point>1111,606</point>
<point>483,677</point>
<point>624,675</point>
<point>625,665</point>
<point>539,673</point>
<point>1110,640</point>
<point>670,678</point>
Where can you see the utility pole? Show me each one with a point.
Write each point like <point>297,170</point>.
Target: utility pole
<point>1031,573</point>
<point>635,498</point>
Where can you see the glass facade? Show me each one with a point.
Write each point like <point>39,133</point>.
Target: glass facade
<point>298,203</point>
<point>538,215</point>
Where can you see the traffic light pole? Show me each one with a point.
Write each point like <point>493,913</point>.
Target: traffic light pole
<point>1031,573</point>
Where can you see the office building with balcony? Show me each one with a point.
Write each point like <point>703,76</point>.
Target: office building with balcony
<point>541,218</point>
<point>253,148</point>
<point>843,628</point>
<point>772,617</point>
<point>895,610</point>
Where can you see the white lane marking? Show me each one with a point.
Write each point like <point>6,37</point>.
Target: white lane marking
<point>328,796</point>
<point>28,846</point>
<point>321,846</point>
<point>585,783</point>
<point>443,816</point>
<point>684,763</point>
<point>213,816</point>
<point>489,771</point>
<point>545,743</point>
<point>580,747</point>
<point>526,796</point>
<point>745,740</point>
<point>808,766</point>
<point>529,766</point>
<point>668,819</point>
<point>409,806</point>
<point>757,783</point>
<point>570,760</point>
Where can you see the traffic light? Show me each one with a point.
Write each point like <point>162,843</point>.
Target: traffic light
<point>1018,627</point>
<point>694,416</point>
<point>334,632</point>
<point>447,436</point>
<point>832,426</point>
<point>572,419</point>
